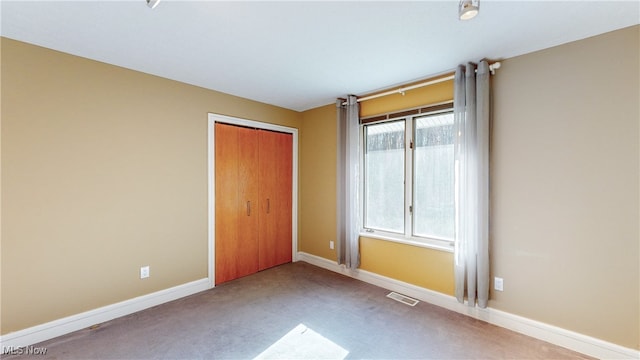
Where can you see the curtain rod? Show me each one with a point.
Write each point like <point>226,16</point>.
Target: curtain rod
<point>493,67</point>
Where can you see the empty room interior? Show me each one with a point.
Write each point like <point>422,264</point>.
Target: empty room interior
<point>276,169</point>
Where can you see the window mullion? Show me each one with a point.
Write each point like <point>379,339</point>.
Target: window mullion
<point>408,180</point>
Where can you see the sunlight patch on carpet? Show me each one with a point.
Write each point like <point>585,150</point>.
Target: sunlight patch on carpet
<point>303,343</point>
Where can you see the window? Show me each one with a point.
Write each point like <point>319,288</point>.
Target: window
<point>384,176</point>
<point>419,148</point>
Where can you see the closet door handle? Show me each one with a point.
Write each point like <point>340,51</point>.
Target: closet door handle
<point>268,206</point>
<point>248,208</point>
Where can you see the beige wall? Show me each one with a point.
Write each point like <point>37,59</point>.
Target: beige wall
<point>565,184</point>
<point>428,268</point>
<point>428,95</point>
<point>318,146</point>
<point>104,170</point>
<point>565,191</point>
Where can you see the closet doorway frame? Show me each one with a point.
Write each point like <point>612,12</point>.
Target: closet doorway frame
<point>211,158</point>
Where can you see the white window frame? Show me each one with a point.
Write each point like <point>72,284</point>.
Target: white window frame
<point>407,237</point>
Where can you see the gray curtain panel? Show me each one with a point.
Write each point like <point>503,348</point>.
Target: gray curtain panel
<point>471,119</point>
<point>348,180</point>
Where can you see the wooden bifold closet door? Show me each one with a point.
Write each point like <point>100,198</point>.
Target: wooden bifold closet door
<point>253,182</point>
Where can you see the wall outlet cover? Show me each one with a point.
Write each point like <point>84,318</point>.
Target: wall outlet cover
<point>144,272</point>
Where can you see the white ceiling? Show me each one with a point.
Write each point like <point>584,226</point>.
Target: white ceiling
<point>302,54</point>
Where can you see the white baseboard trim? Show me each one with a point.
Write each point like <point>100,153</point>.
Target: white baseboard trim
<point>46,331</point>
<point>558,336</point>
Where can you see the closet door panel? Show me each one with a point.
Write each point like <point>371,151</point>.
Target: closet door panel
<point>267,183</point>
<point>253,199</point>
<point>227,198</point>
<point>248,205</point>
<point>275,194</point>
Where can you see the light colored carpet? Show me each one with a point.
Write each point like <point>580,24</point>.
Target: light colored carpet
<point>297,311</point>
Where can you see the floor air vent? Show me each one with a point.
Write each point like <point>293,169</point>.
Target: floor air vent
<point>403,299</point>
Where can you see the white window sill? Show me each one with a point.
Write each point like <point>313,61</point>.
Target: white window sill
<point>441,245</point>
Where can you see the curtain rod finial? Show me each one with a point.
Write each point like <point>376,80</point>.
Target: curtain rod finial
<point>495,66</point>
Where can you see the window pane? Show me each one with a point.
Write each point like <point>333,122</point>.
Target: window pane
<point>384,176</point>
<point>433,211</point>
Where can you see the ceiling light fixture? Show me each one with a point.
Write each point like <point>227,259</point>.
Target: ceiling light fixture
<point>468,9</point>
<point>153,3</point>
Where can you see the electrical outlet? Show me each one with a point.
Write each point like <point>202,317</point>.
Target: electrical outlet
<point>498,284</point>
<point>331,244</point>
<point>144,272</point>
